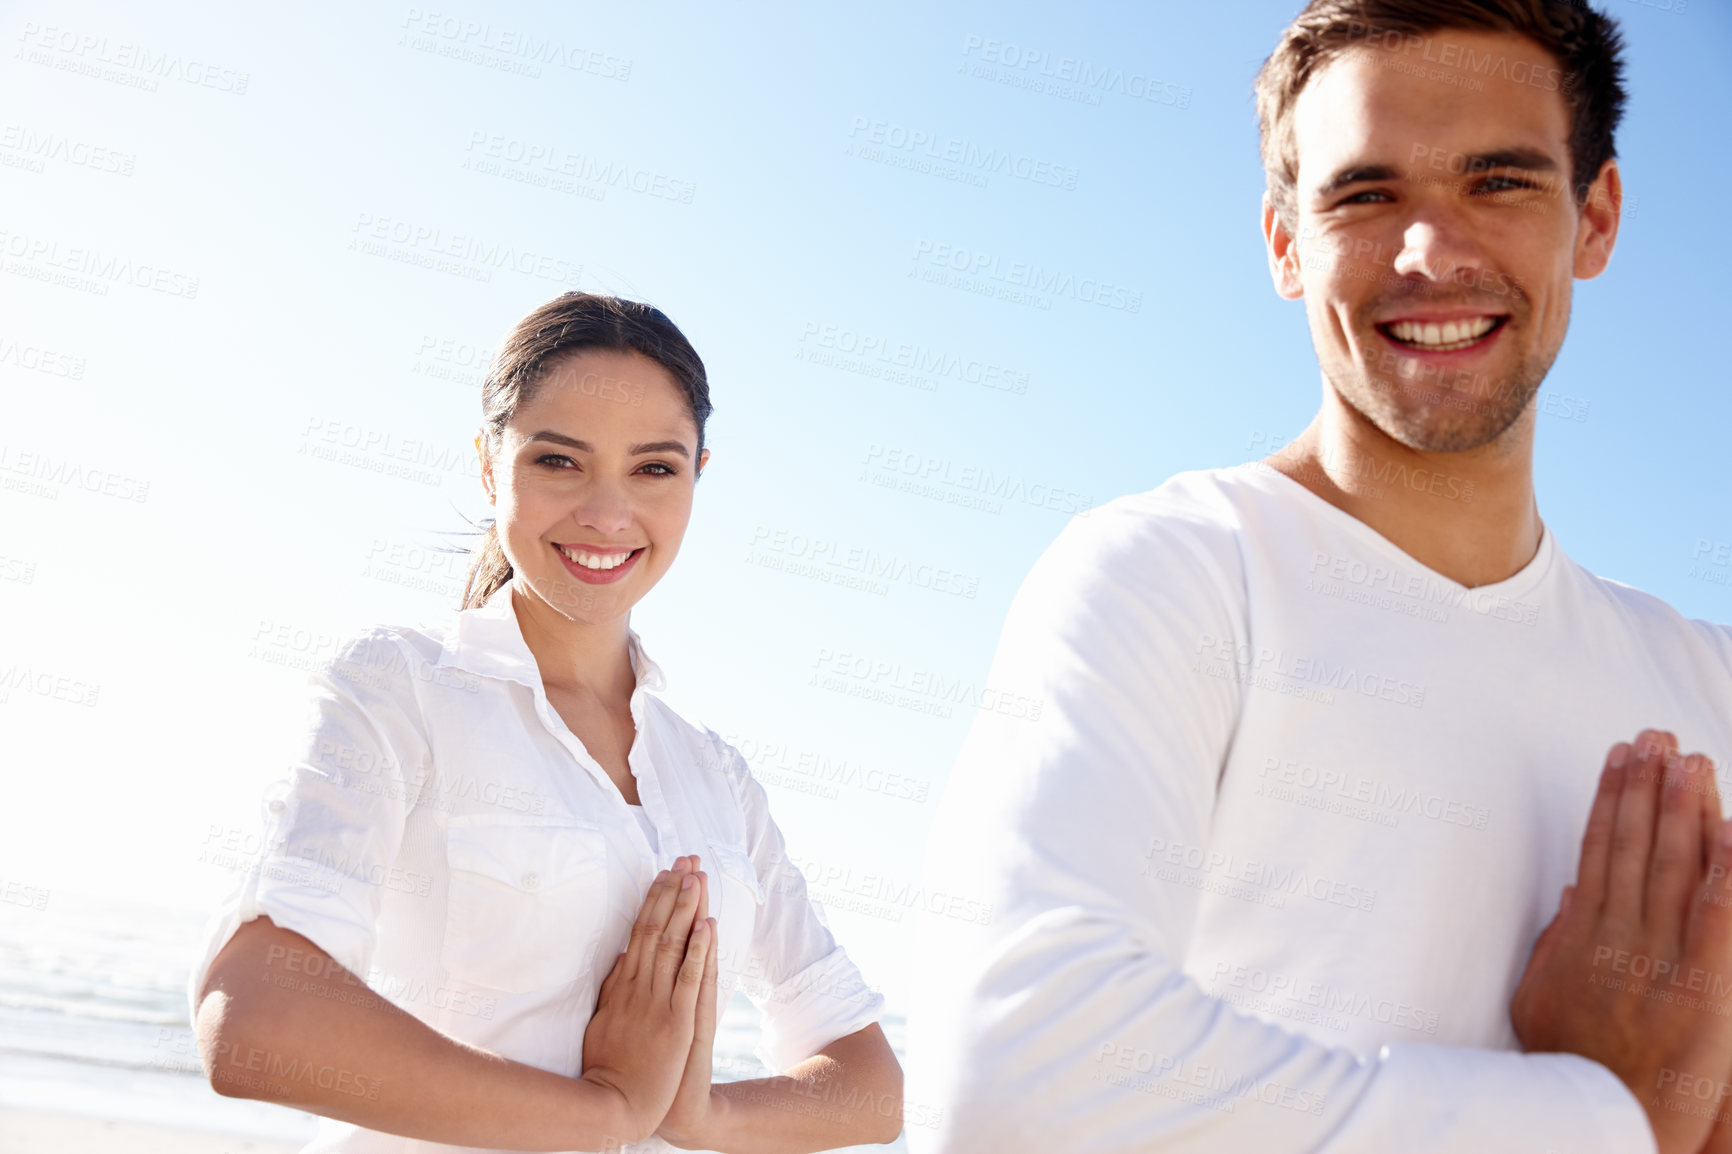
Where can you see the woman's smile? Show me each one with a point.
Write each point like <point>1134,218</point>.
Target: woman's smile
<point>598,564</point>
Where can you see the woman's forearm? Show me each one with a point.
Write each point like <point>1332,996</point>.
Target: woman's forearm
<point>848,1094</point>
<point>336,1049</point>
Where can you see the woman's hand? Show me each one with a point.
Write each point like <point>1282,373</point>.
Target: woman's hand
<point>640,1037</point>
<point>695,1104</point>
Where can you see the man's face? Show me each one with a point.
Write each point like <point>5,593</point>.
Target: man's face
<point>1437,236</point>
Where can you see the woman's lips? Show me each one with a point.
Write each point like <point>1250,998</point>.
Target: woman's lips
<point>599,576</point>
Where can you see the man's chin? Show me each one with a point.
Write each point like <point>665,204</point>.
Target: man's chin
<point>1437,421</point>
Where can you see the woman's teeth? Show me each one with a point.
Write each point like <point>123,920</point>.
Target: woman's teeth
<point>1441,338</point>
<point>595,560</point>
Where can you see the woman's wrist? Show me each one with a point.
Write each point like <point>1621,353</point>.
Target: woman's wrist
<point>710,1134</point>
<point>604,1112</point>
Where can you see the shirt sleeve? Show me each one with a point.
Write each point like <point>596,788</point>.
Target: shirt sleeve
<point>332,826</point>
<point>1067,1023</point>
<point>807,988</point>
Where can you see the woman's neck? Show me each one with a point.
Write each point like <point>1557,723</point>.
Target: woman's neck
<point>588,657</point>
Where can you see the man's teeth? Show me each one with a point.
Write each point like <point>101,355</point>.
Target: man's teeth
<point>596,560</point>
<point>1449,335</point>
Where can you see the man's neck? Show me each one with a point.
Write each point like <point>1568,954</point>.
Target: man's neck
<point>1470,516</point>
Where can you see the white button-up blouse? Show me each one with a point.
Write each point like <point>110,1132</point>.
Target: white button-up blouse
<point>442,832</point>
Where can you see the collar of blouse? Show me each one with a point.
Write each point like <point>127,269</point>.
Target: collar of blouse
<point>489,642</point>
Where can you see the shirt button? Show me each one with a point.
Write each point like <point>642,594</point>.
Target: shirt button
<point>275,805</point>
<point>530,881</point>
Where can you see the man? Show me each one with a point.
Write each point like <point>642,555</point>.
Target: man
<point>1319,736</point>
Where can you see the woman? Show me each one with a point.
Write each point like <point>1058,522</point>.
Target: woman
<point>553,878</point>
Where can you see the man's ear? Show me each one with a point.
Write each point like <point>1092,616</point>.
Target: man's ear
<point>1283,251</point>
<point>486,468</point>
<point>1597,222</point>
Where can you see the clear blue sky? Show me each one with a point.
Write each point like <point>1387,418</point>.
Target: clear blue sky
<point>368,195</point>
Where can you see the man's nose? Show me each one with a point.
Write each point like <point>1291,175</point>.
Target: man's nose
<point>1435,247</point>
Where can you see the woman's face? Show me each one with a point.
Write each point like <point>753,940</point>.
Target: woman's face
<point>593,482</point>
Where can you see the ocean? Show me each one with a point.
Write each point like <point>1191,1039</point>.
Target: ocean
<point>93,1022</point>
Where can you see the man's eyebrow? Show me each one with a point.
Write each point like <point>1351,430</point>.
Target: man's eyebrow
<point>1527,159</point>
<point>586,447</point>
<point>1358,174</point>
<point>1531,159</point>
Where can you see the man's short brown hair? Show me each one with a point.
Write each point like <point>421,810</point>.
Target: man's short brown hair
<point>1584,42</point>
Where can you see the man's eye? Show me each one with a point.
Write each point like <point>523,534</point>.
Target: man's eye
<point>1504,184</point>
<point>1362,197</point>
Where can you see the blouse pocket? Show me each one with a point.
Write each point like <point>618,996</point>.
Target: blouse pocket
<point>740,894</point>
<point>526,902</point>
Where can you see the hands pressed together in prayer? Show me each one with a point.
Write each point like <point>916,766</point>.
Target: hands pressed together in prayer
<point>653,1033</point>
<point>1635,971</point>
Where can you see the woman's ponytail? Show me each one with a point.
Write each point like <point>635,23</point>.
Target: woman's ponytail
<point>489,571</point>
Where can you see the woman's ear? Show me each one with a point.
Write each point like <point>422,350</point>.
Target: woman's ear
<point>703,460</point>
<point>486,467</point>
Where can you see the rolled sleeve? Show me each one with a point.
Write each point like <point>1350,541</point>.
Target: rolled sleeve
<point>333,825</point>
<point>805,985</point>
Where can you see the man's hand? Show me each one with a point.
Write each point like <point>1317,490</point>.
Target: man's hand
<point>695,1106</point>
<point>640,1037</point>
<point>1635,971</point>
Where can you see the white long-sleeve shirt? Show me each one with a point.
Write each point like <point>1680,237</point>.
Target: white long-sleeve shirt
<point>1270,860</point>
<point>442,833</point>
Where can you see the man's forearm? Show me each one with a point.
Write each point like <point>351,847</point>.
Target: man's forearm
<point>819,1105</point>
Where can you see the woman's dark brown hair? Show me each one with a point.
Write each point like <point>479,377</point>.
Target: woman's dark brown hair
<point>1584,42</point>
<point>569,323</point>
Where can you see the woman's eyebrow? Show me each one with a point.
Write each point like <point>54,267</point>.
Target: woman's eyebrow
<point>660,447</point>
<point>560,439</point>
<point>586,447</point>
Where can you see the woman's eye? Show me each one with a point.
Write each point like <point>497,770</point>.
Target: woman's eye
<point>555,460</point>
<point>658,469</point>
